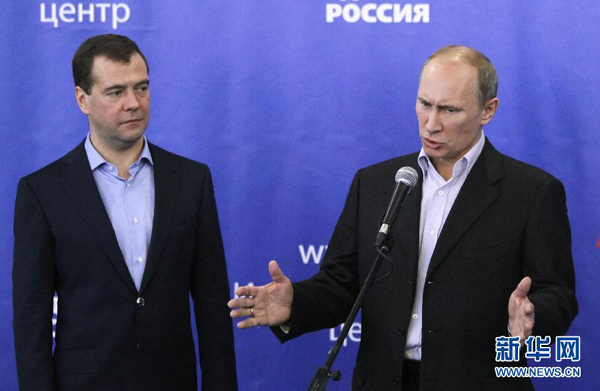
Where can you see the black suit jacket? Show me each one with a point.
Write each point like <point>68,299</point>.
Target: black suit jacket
<point>109,336</point>
<point>508,221</point>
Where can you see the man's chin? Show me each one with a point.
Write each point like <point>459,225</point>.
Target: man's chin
<point>434,153</point>
<point>133,130</point>
<point>135,126</point>
<point>129,140</point>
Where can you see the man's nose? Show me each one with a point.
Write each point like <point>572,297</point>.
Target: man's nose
<point>131,102</point>
<point>433,124</point>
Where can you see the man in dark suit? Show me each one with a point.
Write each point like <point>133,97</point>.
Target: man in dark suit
<point>123,232</point>
<point>480,250</point>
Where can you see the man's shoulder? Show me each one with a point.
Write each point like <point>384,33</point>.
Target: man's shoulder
<point>51,171</point>
<point>388,168</point>
<point>520,171</point>
<point>175,161</point>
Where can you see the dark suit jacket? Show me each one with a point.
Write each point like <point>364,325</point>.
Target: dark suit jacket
<point>508,221</point>
<point>109,336</point>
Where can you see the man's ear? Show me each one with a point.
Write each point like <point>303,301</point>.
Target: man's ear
<point>489,110</point>
<point>82,100</point>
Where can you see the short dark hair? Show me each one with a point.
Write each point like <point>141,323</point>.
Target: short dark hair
<point>114,47</point>
<point>487,79</point>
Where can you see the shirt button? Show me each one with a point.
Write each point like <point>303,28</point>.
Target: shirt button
<point>140,301</point>
<point>415,316</point>
<point>140,259</point>
<point>135,220</point>
<point>128,185</point>
<point>440,192</point>
<point>410,354</point>
<point>110,167</point>
<point>432,232</point>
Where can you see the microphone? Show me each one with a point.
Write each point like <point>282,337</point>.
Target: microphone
<point>406,179</point>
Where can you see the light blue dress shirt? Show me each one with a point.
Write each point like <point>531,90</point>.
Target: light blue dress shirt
<point>438,197</point>
<point>129,204</point>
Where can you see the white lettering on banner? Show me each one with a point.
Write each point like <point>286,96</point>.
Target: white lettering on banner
<point>381,13</point>
<point>421,13</point>
<point>90,12</point>
<point>404,13</point>
<point>373,13</point>
<point>351,13</point>
<point>116,19</point>
<point>366,15</point>
<point>353,334</point>
<point>103,7</point>
<point>44,18</point>
<point>67,12</point>
<point>236,285</point>
<point>311,253</point>
<point>67,9</point>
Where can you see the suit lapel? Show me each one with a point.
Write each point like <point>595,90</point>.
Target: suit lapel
<point>81,187</point>
<point>474,198</point>
<point>166,188</point>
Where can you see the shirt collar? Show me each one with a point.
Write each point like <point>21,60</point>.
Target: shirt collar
<point>96,160</point>
<point>470,157</point>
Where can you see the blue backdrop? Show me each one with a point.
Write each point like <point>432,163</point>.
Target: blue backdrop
<point>285,100</point>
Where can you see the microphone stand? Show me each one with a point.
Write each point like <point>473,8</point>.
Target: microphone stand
<point>406,179</point>
<point>324,373</point>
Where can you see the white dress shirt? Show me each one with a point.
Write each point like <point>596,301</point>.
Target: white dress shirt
<point>438,197</point>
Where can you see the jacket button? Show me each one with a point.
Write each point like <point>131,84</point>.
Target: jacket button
<point>396,380</point>
<point>140,301</point>
<point>401,330</point>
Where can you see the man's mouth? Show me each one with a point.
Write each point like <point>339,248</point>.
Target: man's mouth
<point>130,121</point>
<point>431,144</point>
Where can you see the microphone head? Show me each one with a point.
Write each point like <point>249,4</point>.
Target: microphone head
<point>408,176</point>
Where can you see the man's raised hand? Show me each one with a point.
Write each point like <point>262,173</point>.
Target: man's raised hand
<point>267,305</point>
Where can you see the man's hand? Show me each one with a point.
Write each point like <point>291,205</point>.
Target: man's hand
<point>521,313</point>
<point>267,305</point>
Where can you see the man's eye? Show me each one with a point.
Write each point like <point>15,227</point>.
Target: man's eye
<point>143,89</point>
<point>115,93</point>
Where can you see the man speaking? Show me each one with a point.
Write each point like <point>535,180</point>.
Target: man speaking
<point>123,231</point>
<point>480,249</point>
